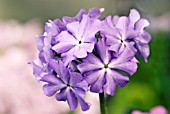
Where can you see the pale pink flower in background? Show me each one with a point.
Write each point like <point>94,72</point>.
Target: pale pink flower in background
<point>19,91</point>
<point>14,34</point>
<point>160,23</point>
<point>155,110</point>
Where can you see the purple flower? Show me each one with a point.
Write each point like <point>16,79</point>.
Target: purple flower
<point>46,41</point>
<point>68,85</point>
<point>143,37</point>
<point>101,72</point>
<point>79,40</point>
<point>122,32</point>
<point>118,35</point>
<point>93,13</point>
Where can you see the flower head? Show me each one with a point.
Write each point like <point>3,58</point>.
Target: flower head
<point>84,51</point>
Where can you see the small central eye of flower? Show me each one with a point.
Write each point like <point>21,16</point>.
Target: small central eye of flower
<point>80,42</point>
<point>106,66</point>
<point>121,41</point>
<point>68,85</point>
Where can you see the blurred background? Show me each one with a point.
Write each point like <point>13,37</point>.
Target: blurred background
<point>21,20</point>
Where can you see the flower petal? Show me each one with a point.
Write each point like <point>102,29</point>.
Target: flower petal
<point>91,58</point>
<point>134,16</point>
<point>74,28</point>
<point>94,13</point>
<point>144,37</point>
<point>128,67</point>
<point>62,95</point>
<point>143,49</point>
<point>122,25</point>
<point>103,51</point>
<point>80,95</point>
<point>141,24</point>
<point>97,86</point>
<point>110,86</point>
<point>78,17</point>
<point>108,27</point>
<point>80,52</point>
<point>83,85</point>
<point>88,47</point>
<point>51,79</point>
<point>119,79</point>
<point>92,27</point>
<point>66,41</point>
<point>60,69</point>
<point>75,77</point>
<point>87,67</point>
<point>93,76</point>
<point>125,56</point>
<point>72,100</point>
<point>51,89</point>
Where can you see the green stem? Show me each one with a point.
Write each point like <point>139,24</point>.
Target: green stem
<point>102,103</point>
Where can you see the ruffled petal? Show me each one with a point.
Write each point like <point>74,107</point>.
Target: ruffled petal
<point>119,79</point>
<point>78,17</point>
<point>93,76</point>
<point>125,56</point>
<point>111,40</point>
<point>143,49</point>
<point>72,100</point>
<point>88,47</point>
<point>134,16</point>
<point>74,28</point>
<point>103,51</point>
<point>80,95</point>
<point>110,86</point>
<point>83,85</point>
<point>141,24</point>
<point>49,78</point>
<point>122,26</point>
<point>144,37</point>
<point>66,42</point>
<point>92,27</point>
<point>51,89</point>
<point>75,77</point>
<point>94,13</point>
<point>91,58</point>
<point>128,67</point>
<point>60,69</point>
<point>87,67</point>
<point>62,95</point>
<point>97,86</point>
<point>80,52</point>
<point>108,27</point>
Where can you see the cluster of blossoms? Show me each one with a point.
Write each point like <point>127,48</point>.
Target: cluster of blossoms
<point>87,53</point>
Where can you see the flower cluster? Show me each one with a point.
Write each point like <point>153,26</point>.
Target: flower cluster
<point>85,51</point>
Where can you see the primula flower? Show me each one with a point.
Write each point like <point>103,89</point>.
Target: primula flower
<point>143,37</point>
<point>46,41</point>
<point>122,32</point>
<point>118,35</point>
<point>69,86</point>
<point>101,72</point>
<point>78,40</point>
